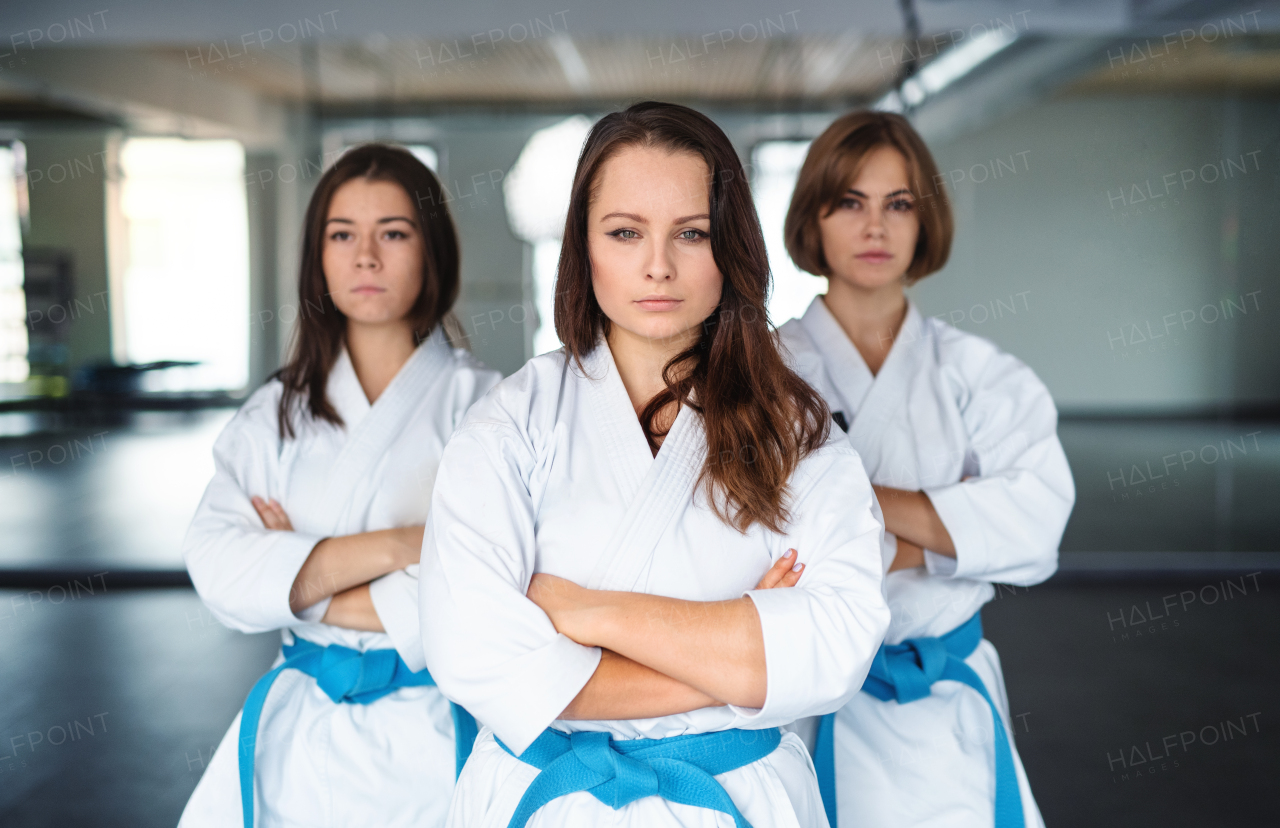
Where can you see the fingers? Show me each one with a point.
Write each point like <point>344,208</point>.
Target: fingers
<point>272,514</point>
<point>264,511</point>
<point>792,576</point>
<point>785,572</point>
<point>282,519</point>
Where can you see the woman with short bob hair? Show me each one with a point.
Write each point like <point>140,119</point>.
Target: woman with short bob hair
<point>312,524</point>
<point>961,442</point>
<point>611,580</point>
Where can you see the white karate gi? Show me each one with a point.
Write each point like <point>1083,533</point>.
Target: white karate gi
<point>945,405</point>
<point>551,473</point>
<point>319,763</point>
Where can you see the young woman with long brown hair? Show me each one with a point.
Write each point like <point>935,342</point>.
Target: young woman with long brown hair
<point>609,520</point>
<point>960,439</point>
<point>312,524</point>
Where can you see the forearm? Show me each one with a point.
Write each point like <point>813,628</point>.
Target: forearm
<point>714,647</point>
<point>337,564</point>
<point>911,515</point>
<point>353,610</point>
<point>624,689</point>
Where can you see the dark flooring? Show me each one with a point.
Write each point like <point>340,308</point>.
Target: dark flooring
<point>1150,700</point>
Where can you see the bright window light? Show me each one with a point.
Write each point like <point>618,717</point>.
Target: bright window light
<point>426,154</point>
<point>776,166</point>
<point>185,285</point>
<point>13,304</point>
<point>536,192</point>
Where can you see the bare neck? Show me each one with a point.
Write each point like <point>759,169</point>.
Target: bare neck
<point>378,352</point>
<point>870,318</point>
<point>640,361</point>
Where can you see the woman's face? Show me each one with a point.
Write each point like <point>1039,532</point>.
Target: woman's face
<point>870,237</point>
<point>648,237</point>
<point>372,253</point>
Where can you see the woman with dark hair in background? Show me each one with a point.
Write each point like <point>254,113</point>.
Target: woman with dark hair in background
<point>312,524</point>
<point>609,521</point>
<point>961,442</point>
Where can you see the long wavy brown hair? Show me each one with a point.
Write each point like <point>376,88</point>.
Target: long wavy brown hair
<point>321,328</point>
<point>760,417</point>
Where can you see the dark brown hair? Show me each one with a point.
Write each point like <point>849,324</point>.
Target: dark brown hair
<point>321,327</point>
<point>833,162</point>
<point>760,417</point>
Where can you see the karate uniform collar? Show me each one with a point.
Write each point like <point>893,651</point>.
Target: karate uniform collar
<point>347,395</point>
<point>683,446</point>
<point>872,400</point>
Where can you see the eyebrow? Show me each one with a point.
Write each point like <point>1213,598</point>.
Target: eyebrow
<point>643,220</point>
<point>380,221</point>
<point>860,194</point>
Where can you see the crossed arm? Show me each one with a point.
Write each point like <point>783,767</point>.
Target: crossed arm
<point>343,567</point>
<point>662,656</point>
<point>910,515</point>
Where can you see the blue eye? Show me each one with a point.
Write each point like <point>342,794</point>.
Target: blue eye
<point>622,234</point>
<point>692,235</point>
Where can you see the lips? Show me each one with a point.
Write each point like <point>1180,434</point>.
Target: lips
<point>368,289</point>
<point>875,256</point>
<point>658,303</point>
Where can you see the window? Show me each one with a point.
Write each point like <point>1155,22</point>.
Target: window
<point>13,305</point>
<point>775,167</point>
<point>536,192</point>
<point>183,293</point>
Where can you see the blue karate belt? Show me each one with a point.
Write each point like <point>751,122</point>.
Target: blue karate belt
<point>346,676</point>
<point>678,769</point>
<point>906,672</point>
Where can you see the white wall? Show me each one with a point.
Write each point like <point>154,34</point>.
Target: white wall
<point>1087,271</point>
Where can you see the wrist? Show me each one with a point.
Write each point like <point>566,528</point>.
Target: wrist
<point>590,622</point>
<point>400,549</point>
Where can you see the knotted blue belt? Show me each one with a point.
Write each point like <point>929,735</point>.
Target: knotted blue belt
<point>346,676</point>
<point>679,768</point>
<point>906,672</point>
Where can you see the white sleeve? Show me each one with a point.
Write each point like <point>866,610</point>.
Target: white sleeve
<point>1007,521</point>
<point>821,635</point>
<point>395,599</point>
<point>488,646</point>
<point>242,570</point>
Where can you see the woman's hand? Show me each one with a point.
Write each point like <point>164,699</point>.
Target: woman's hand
<point>353,610</point>
<point>784,572</point>
<point>272,514</point>
<point>910,556</point>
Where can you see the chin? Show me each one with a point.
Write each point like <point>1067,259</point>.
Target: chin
<point>871,281</point>
<point>657,329</point>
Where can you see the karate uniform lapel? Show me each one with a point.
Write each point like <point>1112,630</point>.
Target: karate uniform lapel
<point>844,365</point>
<point>371,436</point>
<point>885,400</point>
<point>876,399</point>
<point>658,487</point>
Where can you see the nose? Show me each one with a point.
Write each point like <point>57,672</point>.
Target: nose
<point>367,253</point>
<point>661,268</point>
<point>874,228</point>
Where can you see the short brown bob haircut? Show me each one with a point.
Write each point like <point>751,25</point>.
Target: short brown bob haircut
<point>834,160</point>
